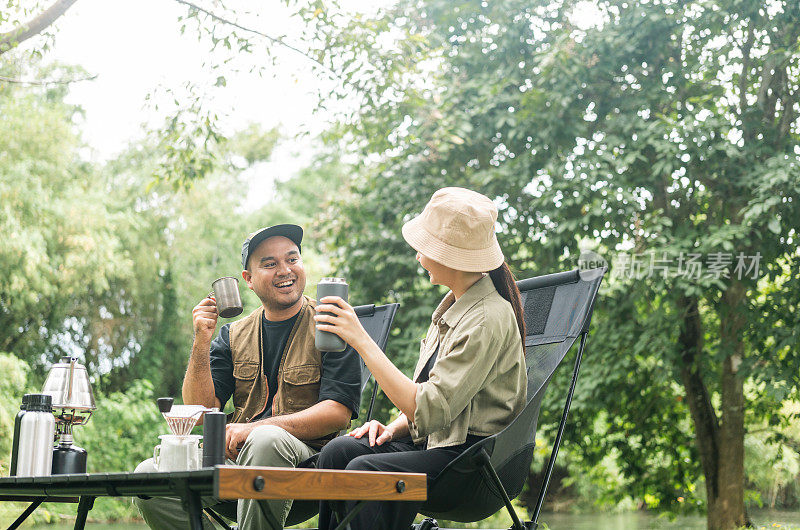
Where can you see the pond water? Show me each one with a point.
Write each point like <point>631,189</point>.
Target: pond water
<point>644,521</point>
<point>596,521</point>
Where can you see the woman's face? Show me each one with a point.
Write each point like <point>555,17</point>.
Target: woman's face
<point>438,273</point>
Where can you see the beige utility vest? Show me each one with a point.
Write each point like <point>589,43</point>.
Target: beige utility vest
<point>299,372</point>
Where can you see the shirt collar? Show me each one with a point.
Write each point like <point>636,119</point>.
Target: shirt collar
<point>450,310</point>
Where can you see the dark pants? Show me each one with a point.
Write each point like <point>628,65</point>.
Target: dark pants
<point>346,452</point>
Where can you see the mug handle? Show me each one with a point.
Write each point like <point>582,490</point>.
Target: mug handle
<point>156,454</point>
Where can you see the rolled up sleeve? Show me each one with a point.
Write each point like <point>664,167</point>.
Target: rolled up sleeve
<point>457,376</point>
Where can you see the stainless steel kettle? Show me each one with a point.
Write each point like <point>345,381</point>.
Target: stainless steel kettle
<point>68,384</point>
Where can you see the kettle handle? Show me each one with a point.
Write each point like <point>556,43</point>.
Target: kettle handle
<point>69,379</point>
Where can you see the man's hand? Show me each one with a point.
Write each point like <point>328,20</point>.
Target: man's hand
<point>235,436</point>
<point>204,318</point>
<point>378,432</point>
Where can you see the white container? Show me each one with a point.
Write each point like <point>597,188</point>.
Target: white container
<point>178,453</point>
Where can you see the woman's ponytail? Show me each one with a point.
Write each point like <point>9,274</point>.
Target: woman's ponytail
<point>503,281</point>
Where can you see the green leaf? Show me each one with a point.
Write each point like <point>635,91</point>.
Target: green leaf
<point>774,225</point>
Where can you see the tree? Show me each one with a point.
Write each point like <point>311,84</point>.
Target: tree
<point>33,27</point>
<point>654,130</point>
<point>59,241</point>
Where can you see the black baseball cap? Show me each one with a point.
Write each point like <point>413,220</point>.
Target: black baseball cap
<point>292,232</point>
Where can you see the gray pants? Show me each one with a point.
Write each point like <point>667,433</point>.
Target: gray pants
<point>267,445</point>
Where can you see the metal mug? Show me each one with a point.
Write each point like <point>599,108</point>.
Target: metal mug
<point>226,293</point>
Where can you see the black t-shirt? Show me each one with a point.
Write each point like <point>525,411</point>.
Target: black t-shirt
<point>425,373</point>
<point>341,371</point>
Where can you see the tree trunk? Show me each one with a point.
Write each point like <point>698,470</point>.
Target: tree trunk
<point>727,509</point>
<point>719,443</point>
<point>698,400</point>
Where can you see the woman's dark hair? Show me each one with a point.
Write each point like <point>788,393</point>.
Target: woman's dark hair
<point>503,281</point>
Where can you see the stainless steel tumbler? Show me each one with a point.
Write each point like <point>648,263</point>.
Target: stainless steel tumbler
<point>325,340</point>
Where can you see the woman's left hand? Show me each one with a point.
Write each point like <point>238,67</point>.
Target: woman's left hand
<point>377,431</point>
<point>343,321</point>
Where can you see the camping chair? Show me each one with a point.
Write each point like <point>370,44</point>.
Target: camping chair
<point>486,476</point>
<point>377,321</point>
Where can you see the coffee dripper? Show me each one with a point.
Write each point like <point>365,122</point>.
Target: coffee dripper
<point>181,419</point>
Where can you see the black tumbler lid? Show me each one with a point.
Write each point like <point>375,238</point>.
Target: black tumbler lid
<point>38,402</point>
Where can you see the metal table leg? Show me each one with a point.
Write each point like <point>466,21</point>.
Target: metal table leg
<point>86,503</point>
<point>29,510</point>
<point>345,523</point>
<point>194,507</point>
<point>218,518</point>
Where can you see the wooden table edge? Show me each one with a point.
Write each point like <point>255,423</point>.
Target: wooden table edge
<point>239,482</point>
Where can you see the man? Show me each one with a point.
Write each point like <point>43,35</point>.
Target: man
<point>289,399</point>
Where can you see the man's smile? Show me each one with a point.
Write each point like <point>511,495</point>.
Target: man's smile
<point>285,285</point>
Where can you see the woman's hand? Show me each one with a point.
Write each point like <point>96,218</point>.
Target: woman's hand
<point>378,432</point>
<point>343,322</point>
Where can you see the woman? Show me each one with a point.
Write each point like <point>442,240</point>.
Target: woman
<point>470,381</point>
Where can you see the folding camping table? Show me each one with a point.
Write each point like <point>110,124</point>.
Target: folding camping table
<point>221,482</point>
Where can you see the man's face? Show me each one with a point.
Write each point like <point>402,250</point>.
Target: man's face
<point>275,273</point>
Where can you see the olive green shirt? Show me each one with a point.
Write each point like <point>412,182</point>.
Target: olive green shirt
<point>478,382</point>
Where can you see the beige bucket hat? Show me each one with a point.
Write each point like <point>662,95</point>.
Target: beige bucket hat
<point>456,229</point>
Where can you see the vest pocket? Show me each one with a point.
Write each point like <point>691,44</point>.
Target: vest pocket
<point>301,386</point>
<point>244,375</point>
<point>246,371</point>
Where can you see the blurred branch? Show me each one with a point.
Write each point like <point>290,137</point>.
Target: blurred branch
<point>35,26</point>
<point>256,32</point>
<point>52,82</point>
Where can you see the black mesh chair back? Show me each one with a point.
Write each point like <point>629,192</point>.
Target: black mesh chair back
<point>377,322</point>
<point>558,309</point>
